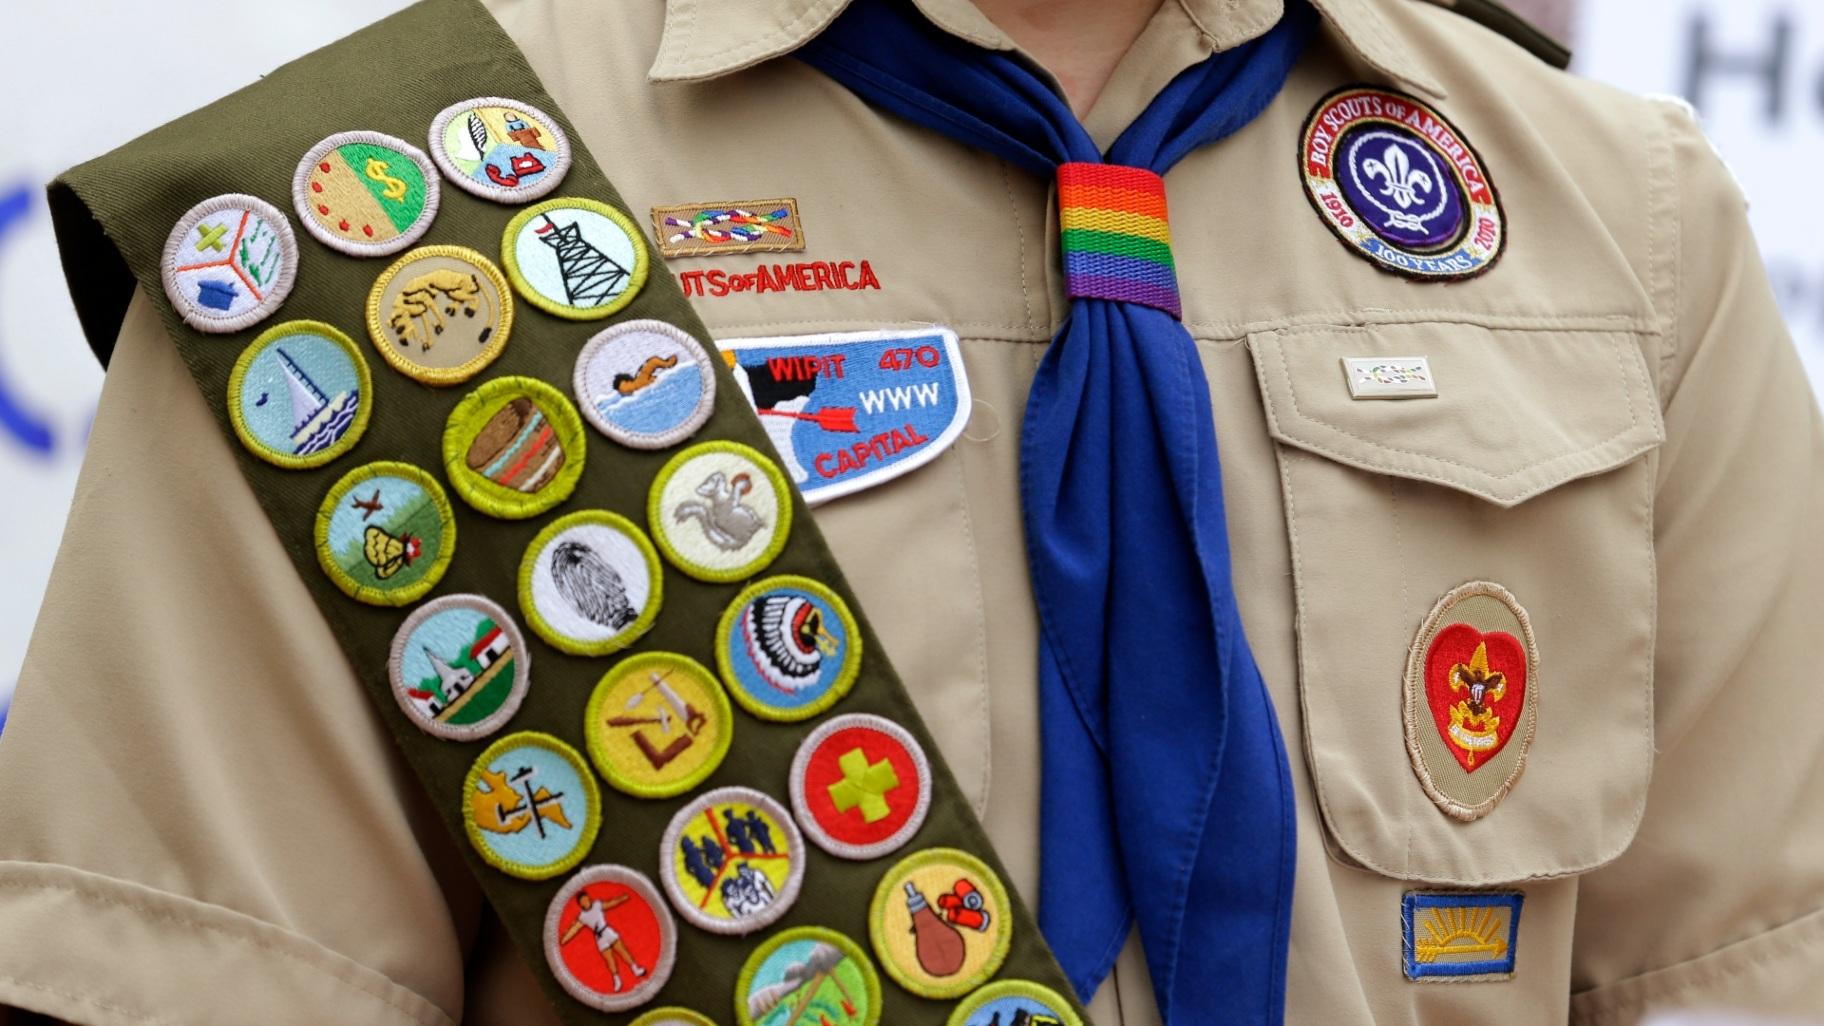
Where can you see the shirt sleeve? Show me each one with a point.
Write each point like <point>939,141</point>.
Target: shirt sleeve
<point>1719,902</point>
<point>201,818</point>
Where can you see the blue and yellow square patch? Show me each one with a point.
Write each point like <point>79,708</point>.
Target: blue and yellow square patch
<point>1460,935</point>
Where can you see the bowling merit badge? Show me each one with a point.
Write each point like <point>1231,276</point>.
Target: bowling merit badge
<point>850,410</point>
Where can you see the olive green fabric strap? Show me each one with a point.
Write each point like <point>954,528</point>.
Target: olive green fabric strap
<point>113,216</point>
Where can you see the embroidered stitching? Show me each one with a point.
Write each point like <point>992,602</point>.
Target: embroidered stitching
<point>259,257</point>
<point>589,583</point>
<point>940,923</point>
<point>720,511</point>
<point>514,448</point>
<point>584,269</point>
<point>1443,932</point>
<point>739,226</point>
<point>807,966</point>
<point>519,806</point>
<point>852,774</point>
<point>365,193</point>
<point>788,648</point>
<point>732,861</point>
<point>314,395</point>
<point>459,667</point>
<point>673,1017</point>
<point>658,724</point>
<point>456,288</point>
<point>391,547</point>
<point>620,914</point>
<point>498,150</point>
<point>1014,1001</point>
<point>645,384</point>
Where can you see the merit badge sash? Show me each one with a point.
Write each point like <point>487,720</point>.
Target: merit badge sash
<point>569,561</point>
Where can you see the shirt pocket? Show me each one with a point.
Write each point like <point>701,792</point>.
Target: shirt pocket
<point>1532,468</point>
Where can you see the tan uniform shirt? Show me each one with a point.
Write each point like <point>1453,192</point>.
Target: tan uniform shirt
<point>201,820</point>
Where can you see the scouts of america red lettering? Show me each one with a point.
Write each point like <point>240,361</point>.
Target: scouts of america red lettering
<point>806,276</point>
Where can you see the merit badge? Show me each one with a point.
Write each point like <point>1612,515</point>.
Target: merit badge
<point>440,314</point>
<point>788,647</point>
<point>500,149</point>
<point>609,938</point>
<point>1458,936</point>
<point>720,511</point>
<point>575,258</point>
<point>1471,703</point>
<point>589,583</point>
<point>740,226</point>
<point>674,1017</point>
<point>299,395</point>
<point>808,976</point>
<point>732,861</point>
<point>1014,1003</point>
<point>1400,185</point>
<point>459,667</point>
<point>513,448</point>
<point>940,923</point>
<point>365,194</point>
<point>861,786</point>
<point>229,263</point>
<point>658,724</point>
<point>531,806</point>
<point>645,384</point>
<point>385,533</point>
<point>848,411</point>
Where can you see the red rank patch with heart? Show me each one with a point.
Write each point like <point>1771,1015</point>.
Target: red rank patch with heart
<point>1475,684</point>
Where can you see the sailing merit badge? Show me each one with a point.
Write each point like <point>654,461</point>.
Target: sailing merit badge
<point>848,411</point>
<point>1400,185</point>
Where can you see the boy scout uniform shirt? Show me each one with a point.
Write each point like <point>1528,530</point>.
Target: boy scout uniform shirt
<point>204,820</point>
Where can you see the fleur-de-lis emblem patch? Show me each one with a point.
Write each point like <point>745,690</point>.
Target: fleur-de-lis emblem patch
<point>1400,182</point>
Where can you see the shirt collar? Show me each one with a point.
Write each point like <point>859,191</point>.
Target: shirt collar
<point>706,39</point>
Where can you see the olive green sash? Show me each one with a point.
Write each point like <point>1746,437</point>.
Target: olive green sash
<point>113,216</point>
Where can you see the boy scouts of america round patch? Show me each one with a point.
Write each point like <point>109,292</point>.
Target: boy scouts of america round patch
<point>531,806</point>
<point>789,648</point>
<point>1014,1001</point>
<point>459,667</point>
<point>513,448</point>
<point>500,149</point>
<point>1400,185</point>
<point>1472,700</point>
<point>674,1017</point>
<point>645,384</point>
<point>385,533</point>
<point>440,314</point>
<point>812,968</point>
<point>732,861</point>
<point>576,258</point>
<point>299,395</point>
<point>940,923</point>
<point>658,724</point>
<point>609,938</point>
<point>589,583</point>
<point>861,786</point>
<point>365,194</point>
<point>229,263</point>
<point>720,511</point>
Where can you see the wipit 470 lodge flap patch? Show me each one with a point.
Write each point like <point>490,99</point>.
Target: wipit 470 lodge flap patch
<point>850,410</point>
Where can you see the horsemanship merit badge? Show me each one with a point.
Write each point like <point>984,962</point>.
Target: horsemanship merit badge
<point>1400,186</point>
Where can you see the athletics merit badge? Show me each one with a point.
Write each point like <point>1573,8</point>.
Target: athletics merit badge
<point>1400,185</point>
<point>848,411</point>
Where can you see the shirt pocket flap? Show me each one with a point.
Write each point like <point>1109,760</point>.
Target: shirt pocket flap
<point>1516,413</point>
<point>1524,472</point>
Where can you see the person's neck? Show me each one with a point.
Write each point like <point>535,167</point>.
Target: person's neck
<point>1079,41</point>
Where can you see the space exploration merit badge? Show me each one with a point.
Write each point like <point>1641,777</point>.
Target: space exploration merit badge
<point>440,314</point>
<point>1400,186</point>
<point>459,667</point>
<point>861,786</point>
<point>848,411</point>
<point>1460,937</point>
<point>589,583</point>
<point>531,806</point>
<point>1014,1003</point>
<point>808,976</point>
<point>737,226</point>
<point>1471,698</point>
<point>385,533</point>
<point>646,384</point>
<point>788,648</point>
<point>940,923</point>
<point>579,259</point>
<point>657,724</point>
<point>732,861</point>
<point>609,938</point>
<point>500,149</point>
<point>513,448</point>
<point>365,194</point>
<point>299,395</point>
<point>229,263</point>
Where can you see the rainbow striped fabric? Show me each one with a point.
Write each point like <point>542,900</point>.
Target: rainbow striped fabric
<point>1117,244</point>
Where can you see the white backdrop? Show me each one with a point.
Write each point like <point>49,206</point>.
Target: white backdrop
<point>1755,67</point>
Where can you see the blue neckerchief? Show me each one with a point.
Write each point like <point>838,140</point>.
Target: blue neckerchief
<point>1166,793</point>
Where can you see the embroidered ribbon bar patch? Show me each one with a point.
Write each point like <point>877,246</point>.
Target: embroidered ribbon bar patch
<point>1117,244</point>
